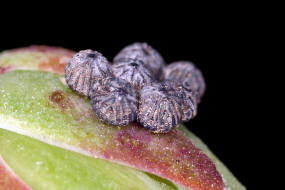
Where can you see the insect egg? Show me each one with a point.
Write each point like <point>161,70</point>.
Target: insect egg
<point>133,71</point>
<point>152,59</point>
<point>184,97</point>
<point>114,101</point>
<point>188,75</point>
<point>158,111</point>
<point>84,68</point>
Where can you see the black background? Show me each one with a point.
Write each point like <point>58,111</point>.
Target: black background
<point>220,47</point>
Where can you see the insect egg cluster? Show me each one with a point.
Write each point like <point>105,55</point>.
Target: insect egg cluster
<point>137,86</point>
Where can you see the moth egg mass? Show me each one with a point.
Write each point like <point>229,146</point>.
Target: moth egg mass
<point>137,87</point>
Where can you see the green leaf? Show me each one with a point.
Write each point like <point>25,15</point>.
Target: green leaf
<point>40,105</point>
<point>43,166</point>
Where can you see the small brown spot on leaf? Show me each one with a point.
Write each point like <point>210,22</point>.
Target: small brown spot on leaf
<point>60,99</point>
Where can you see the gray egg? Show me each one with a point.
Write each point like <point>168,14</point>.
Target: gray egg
<point>85,68</point>
<point>114,101</point>
<point>133,71</point>
<point>184,97</point>
<point>159,111</point>
<point>188,75</point>
<point>152,59</point>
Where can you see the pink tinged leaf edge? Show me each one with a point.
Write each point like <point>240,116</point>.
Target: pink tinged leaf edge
<point>4,69</point>
<point>9,180</point>
<point>174,158</point>
<point>56,58</point>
